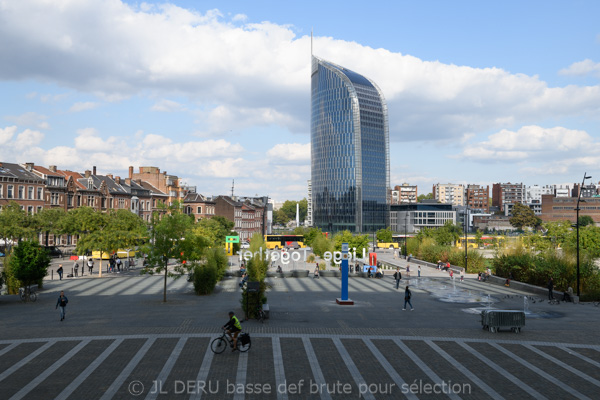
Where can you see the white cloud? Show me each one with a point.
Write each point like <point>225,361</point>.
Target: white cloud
<point>532,142</point>
<point>582,68</point>
<point>168,106</point>
<point>245,74</point>
<point>83,106</point>
<point>290,152</point>
<point>6,134</point>
<point>30,119</point>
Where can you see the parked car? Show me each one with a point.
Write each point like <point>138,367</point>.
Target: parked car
<point>54,251</point>
<point>245,245</point>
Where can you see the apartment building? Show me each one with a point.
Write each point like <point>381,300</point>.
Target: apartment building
<point>449,193</point>
<point>403,194</point>
<point>507,194</point>
<point>478,198</point>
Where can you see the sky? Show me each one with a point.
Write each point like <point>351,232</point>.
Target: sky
<point>217,91</point>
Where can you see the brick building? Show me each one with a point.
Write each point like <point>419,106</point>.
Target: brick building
<point>477,197</point>
<point>508,193</point>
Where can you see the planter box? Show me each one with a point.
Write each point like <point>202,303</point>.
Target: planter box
<point>300,273</point>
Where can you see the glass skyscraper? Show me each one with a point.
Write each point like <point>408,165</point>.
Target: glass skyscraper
<point>350,167</point>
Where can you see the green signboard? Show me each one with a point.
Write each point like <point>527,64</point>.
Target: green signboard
<point>232,239</point>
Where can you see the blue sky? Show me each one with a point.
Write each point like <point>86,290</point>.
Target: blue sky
<point>477,92</point>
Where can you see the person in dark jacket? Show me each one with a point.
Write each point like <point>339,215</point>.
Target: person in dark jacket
<point>62,303</point>
<point>550,289</point>
<point>60,272</point>
<point>407,296</point>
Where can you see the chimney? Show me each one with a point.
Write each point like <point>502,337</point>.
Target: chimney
<point>138,181</point>
<point>29,166</point>
<point>87,173</point>
<point>52,168</point>
<point>118,180</point>
<point>94,170</point>
<point>110,176</point>
<point>130,172</point>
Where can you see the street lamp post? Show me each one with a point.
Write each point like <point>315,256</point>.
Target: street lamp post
<point>577,222</point>
<point>466,239</point>
<point>405,234</point>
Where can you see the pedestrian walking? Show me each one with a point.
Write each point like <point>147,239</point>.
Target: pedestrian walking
<point>550,289</point>
<point>407,296</point>
<point>462,274</point>
<point>62,303</point>
<point>59,271</point>
<point>90,264</point>
<point>397,277</point>
<point>75,268</point>
<point>408,270</point>
<point>118,262</point>
<point>419,271</point>
<point>111,264</point>
<point>316,273</point>
<point>451,274</point>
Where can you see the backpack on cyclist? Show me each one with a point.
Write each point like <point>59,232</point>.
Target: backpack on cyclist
<point>245,338</point>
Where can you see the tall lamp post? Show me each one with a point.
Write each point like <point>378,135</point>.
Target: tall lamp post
<point>577,222</point>
<point>405,234</point>
<point>466,239</point>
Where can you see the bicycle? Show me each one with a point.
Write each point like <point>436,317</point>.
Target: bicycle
<point>27,294</point>
<point>260,315</point>
<point>219,344</point>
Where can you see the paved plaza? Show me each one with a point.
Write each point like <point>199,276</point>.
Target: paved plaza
<point>119,340</point>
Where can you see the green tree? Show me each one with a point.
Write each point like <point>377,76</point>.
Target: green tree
<point>447,234</point>
<point>358,242</point>
<point>421,197</point>
<point>49,221</point>
<point>384,235</point>
<point>287,212</point>
<point>585,220</point>
<point>558,231</point>
<point>589,241</point>
<point>215,229</point>
<point>523,216</point>
<point>173,237</point>
<point>320,245</point>
<point>207,274</point>
<point>257,267</point>
<point>29,263</point>
<point>104,232</point>
<point>478,236</point>
<point>15,224</point>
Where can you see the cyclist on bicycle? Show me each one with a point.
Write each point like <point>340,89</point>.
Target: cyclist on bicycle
<point>233,328</point>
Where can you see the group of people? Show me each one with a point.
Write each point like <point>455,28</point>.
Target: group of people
<point>89,263</point>
<point>115,263</point>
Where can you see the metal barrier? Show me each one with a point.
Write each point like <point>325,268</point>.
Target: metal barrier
<point>493,320</point>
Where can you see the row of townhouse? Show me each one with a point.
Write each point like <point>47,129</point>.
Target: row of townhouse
<point>35,188</point>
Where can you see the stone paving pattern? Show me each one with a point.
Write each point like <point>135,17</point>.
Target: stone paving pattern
<point>119,340</point>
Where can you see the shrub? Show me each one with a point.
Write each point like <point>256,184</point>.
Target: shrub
<point>205,278</point>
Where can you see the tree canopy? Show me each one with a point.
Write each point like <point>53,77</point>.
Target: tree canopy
<point>15,224</point>
<point>421,197</point>
<point>173,236</point>
<point>384,235</point>
<point>287,212</point>
<point>523,216</point>
<point>29,262</point>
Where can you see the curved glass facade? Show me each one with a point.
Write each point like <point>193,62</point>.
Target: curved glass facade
<point>349,150</point>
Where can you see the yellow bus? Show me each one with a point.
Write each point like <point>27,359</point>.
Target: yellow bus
<point>284,241</point>
<point>486,241</point>
<point>120,253</point>
<point>396,243</point>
